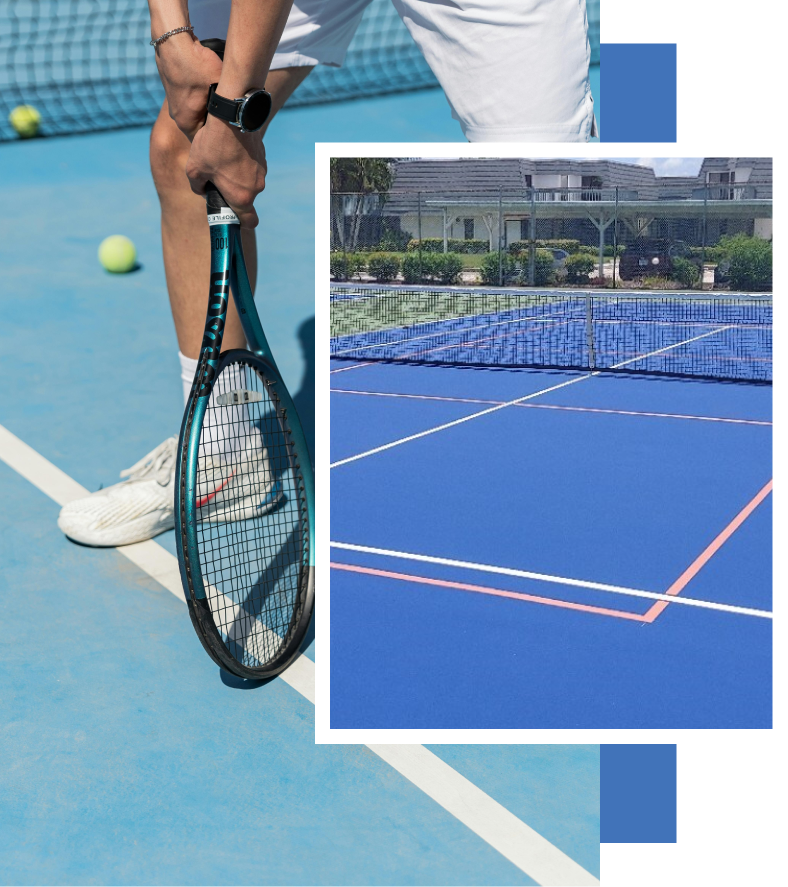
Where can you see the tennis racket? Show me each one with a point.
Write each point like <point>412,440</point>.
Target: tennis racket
<point>245,488</point>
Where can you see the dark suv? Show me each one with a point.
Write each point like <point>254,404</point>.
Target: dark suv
<point>650,257</point>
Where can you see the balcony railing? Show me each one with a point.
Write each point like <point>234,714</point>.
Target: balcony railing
<point>725,192</point>
<point>582,195</point>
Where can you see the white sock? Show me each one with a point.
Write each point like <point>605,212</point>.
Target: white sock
<point>220,423</point>
<point>188,369</point>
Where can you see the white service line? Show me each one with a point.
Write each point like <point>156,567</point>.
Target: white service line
<point>437,428</point>
<point>556,580</point>
<point>502,830</point>
<point>510,836</point>
<point>511,403</point>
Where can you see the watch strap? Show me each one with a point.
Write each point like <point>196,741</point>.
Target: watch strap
<point>224,109</point>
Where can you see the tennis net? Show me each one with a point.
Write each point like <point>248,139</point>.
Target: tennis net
<point>680,334</point>
<point>86,64</point>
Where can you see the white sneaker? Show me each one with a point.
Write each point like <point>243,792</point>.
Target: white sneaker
<point>240,487</point>
<point>143,505</point>
<point>138,508</point>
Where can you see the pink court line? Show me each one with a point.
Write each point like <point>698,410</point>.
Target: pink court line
<point>496,592</point>
<point>539,406</point>
<point>706,555</point>
<point>355,366</point>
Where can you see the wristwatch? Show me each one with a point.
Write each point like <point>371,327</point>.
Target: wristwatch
<point>248,113</point>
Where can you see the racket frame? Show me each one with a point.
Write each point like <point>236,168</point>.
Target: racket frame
<point>229,274</point>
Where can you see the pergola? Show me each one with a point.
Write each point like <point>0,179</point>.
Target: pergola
<point>600,207</point>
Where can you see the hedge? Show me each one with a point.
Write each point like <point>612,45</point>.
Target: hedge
<point>442,268</point>
<point>435,245</point>
<point>519,246</point>
<point>346,265</point>
<point>384,267</point>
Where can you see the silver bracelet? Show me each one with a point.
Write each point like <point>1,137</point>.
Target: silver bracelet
<point>163,37</point>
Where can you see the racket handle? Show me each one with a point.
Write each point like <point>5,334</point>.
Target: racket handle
<point>214,199</point>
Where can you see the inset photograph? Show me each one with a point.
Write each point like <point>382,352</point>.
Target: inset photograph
<point>551,443</point>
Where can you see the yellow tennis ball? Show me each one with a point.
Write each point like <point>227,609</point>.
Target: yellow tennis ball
<point>117,254</point>
<point>25,119</point>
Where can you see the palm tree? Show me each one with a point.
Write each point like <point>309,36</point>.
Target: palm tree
<point>356,176</point>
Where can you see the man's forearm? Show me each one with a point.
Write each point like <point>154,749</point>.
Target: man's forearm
<point>166,15</point>
<point>252,38</point>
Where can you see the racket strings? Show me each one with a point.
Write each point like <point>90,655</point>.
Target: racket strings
<point>252,528</point>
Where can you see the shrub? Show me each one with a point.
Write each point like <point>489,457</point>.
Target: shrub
<point>515,269</point>
<point>447,268</point>
<point>346,265</point>
<point>686,272</point>
<point>410,268</point>
<point>338,266</point>
<point>356,263</point>
<point>430,264</point>
<point>489,268</point>
<point>578,267</point>
<point>543,267</point>
<point>750,262</point>
<point>383,266</point>
<point>438,267</point>
<point>711,254</point>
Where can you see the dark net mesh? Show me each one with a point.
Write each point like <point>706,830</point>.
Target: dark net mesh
<point>86,65</point>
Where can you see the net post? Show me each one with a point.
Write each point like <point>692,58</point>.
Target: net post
<point>590,331</point>
<point>704,223</point>
<point>421,273</point>
<point>500,236</point>
<point>532,239</point>
<point>615,241</point>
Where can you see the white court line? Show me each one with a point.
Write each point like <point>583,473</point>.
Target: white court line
<point>511,403</point>
<point>556,580</point>
<point>544,406</point>
<point>519,843</point>
<point>493,823</point>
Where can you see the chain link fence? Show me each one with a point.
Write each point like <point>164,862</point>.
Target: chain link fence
<point>718,237</point>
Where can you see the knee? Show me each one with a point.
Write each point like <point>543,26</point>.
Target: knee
<point>169,151</point>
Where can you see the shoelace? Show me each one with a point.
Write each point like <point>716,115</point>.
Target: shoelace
<point>158,463</point>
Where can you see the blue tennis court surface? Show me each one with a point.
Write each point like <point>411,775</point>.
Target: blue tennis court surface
<point>548,548</point>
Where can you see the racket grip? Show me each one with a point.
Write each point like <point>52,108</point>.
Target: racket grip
<point>213,198</point>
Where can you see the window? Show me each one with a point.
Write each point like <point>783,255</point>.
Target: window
<point>468,229</point>
<point>592,187</point>
<point>717,183</point>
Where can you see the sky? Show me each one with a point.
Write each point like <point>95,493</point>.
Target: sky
<point>662,166</point>
<point>666,166</point>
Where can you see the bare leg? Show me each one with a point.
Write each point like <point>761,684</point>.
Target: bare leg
<point>184,230</point>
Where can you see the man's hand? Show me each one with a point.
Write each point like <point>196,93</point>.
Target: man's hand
<point>233,161</point>
<point>187,70</point>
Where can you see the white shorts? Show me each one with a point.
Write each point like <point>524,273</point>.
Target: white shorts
<point>512,70</point>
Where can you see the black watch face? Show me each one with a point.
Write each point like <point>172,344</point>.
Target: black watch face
<point>255,111</point>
